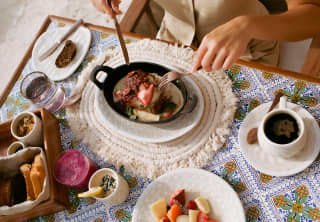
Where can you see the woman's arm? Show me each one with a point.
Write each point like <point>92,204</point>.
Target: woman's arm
<point>301,21</point>
<point>224,45</point>
<point>311,64</point>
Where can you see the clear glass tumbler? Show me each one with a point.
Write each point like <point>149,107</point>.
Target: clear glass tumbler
<point>39,89</point>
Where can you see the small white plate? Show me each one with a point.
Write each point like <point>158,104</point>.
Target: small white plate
<point>224,201</point>
<point>275,165</point>
<point>151,133</point>
<point>81,37</point>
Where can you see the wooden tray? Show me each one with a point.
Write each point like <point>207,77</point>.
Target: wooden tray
<point>58,200</point>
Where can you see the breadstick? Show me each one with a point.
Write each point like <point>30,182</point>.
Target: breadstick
<point>38,164</point>
<point>37,175</point>
<point>35,180</point>
<point>25,170</point>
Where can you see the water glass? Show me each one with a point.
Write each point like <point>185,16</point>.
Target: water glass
<point>40,90</point>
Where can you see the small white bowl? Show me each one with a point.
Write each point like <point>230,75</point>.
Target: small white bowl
<point>120,193</point>
<point>34,137</point>
<point>14,146</point>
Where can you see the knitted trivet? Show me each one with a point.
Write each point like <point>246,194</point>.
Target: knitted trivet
<point>194,149</point>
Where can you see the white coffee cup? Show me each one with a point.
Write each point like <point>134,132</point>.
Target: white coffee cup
<point>283,150</point>
<point>121,191</point>
<point>34,137</point>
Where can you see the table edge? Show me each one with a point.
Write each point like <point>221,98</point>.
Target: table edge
<point>49,18</point>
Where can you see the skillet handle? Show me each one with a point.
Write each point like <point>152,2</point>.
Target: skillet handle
<point>94,73</point>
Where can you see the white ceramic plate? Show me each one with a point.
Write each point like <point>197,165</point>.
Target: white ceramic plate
<point>224,201</point>
<point>151,133</point>
<point>275,165</point>
<point>81,37</point>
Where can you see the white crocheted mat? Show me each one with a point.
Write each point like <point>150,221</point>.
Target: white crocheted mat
<point>193,149</point>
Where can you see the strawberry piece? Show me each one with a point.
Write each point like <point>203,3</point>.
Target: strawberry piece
<point>145,94</point>
<point>166,115</point>
<point>202,217</point>
<point>192,205</point>
<point>179,196</point>
<point>212,220</point>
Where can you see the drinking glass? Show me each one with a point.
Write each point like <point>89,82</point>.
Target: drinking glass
<point>73,169</point>
<point>40,90</point>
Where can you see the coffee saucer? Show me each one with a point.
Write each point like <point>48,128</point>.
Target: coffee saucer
<point>275,165</point>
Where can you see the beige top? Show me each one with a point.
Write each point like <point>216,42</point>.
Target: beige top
<point>188,21</point>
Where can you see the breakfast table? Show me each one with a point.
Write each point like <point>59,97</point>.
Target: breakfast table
<point>264,197</point>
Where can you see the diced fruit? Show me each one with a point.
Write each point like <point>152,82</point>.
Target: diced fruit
<point>179,196</point>
<point>202,217</point>
<point>145,94</point>
<point>192,205</point>
<point>182,218</point>
<point>193,215</point>
<point>166,115</point>
<point>174,212</point>
<point>203,205</point>
<point>93,192</point>
<point>159,209</point>
<point>164,219</point>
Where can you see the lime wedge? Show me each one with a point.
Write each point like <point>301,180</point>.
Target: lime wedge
<point>93,192</point>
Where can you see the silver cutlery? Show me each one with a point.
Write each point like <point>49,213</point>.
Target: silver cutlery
<point>53,48</point>
<point>120,37</point>
<point>169,77</point>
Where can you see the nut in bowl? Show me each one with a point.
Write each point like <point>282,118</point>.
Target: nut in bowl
<point>27,128</point>
<point>107,186</point>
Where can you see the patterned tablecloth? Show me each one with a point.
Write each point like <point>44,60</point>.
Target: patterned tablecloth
<point>265,198</point>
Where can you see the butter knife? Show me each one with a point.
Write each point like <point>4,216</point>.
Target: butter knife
<point>53,48</point>
<point>120,37</point>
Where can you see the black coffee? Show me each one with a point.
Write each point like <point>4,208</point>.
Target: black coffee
<point>281,128</point>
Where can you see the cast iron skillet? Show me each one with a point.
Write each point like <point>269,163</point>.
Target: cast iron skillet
<point>114,75</point>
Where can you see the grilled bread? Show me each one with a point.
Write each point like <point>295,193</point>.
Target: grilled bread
<point>67,54</point>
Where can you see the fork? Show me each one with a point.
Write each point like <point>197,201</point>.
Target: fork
<point>169,77</point>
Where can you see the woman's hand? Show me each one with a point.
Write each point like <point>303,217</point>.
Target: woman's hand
<point>221,47</point>
<point>103,6</point>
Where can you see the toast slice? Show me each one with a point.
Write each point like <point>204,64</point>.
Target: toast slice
<point>67,54</point>
<point>37,175</point>
<point>26,170</point>
<point>5,192</point>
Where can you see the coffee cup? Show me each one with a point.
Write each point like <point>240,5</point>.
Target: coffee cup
<point>282,131</point>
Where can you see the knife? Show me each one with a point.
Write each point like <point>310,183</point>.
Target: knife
<point>53,48</point>
<point>120,37</point>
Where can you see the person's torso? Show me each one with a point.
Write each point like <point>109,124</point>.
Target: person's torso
<point>187,18</point>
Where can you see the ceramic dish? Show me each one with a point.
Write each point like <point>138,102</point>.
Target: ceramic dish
<point>113,76</point>
<point>120,193</point>
<point>224,201</point>
<point>15,147</point>
<point>81,37</point>
<point>32,138</point>
<point>151,133</point>
<point>275,165</point>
